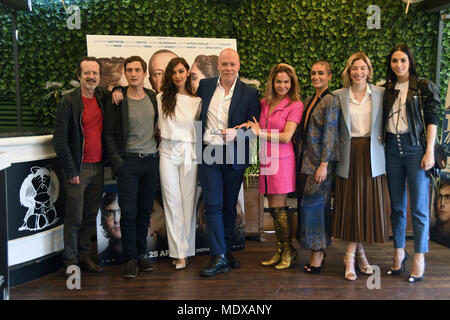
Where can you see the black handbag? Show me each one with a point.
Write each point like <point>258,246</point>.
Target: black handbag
<point>440,154</point>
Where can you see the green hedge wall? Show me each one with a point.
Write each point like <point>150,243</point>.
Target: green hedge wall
<point>445,58</point>
<point>297,32</point>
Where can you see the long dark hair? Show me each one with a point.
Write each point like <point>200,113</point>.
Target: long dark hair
<point>390,74</point>
<point>168,88</point>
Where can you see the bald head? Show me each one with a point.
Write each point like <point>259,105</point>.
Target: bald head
<point>157,65</point>
<point>229,65</point>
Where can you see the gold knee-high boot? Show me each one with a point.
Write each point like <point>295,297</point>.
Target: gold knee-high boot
<point>277,256</point>
<point>288,253</point>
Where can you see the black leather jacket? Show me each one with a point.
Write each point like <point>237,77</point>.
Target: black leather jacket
<point>430,103</point>
<point>115,131</point>
<point>68,136</point>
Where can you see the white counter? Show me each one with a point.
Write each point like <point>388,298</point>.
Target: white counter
<point>28,148</point>
<point>4,160</point>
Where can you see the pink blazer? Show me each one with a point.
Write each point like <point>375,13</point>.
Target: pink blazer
<point>282,113</point>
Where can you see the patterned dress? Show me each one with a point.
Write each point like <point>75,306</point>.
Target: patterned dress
<point>317,141</point>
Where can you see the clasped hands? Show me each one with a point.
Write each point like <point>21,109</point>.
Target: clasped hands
<point>254,125</point>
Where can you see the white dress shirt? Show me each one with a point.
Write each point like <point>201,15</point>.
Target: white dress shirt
<point>398,119</point>
<point>217,115</point>
<point>361,114</point>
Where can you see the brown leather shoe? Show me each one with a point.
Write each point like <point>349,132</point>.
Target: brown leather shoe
<point>144,265</point>
<point>90,266</point>
<point>131,269</point>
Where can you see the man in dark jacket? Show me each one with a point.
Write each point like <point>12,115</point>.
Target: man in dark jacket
<point>78,144</point>
<point>226,103</point>
<point>131,147</point>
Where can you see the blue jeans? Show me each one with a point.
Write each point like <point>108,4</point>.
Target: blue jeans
<point>403,165</point>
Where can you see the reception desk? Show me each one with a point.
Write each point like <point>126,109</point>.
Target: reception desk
<point>4,275</point>
<point>33,206</point>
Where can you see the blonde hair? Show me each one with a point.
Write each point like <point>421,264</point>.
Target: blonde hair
<point>354,57</point>
<point>294,91</point>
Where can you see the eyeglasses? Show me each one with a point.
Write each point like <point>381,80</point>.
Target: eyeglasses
<point>445,197</point>
<point>111,214</point>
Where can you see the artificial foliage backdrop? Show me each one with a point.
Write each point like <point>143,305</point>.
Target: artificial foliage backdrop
<point>296,32</point>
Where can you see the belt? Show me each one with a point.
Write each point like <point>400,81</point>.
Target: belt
<point>141,155</point>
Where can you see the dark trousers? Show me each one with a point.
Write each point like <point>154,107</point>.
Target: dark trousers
<point>136,183</point>
<point>220,187</point>
<point>82,204</point>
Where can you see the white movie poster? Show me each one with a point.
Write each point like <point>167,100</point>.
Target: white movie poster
<point>202,56</point>
<point>200,53</point>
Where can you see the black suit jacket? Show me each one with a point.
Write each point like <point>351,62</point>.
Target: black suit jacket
<point>244,106</point>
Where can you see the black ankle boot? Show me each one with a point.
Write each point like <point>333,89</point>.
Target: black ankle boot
<point>219,264</point>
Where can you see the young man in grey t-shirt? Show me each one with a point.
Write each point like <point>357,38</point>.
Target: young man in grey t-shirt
<point>132,149</point>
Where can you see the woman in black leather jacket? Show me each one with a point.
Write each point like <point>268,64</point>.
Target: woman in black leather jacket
<point>411,114</point>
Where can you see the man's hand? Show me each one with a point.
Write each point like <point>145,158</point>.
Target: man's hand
<point>74,180</point>
<point>117,97</point>
<point>229,134</point>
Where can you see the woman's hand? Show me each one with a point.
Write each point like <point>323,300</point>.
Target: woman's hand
<point>321,173</point>
<point>428,160</point>
<point>244,125</point>
<point>254,125</point>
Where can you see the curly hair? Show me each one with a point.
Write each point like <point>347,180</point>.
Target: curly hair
<point>168,88</point>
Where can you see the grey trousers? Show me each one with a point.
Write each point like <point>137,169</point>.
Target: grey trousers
<point>82,204</point>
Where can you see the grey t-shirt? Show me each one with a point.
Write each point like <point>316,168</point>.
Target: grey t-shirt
<point>141,136</point>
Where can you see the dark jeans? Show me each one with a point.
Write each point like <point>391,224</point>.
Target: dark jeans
<point>82,203</point>
<point>220,187</point>
<point>136,183</point>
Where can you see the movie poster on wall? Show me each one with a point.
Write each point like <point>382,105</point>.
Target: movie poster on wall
<point>202,56</point>
<point>200,53</point>
<point>440,211</point>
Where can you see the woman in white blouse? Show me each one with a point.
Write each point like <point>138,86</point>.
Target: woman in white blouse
<point>178,108</point>
<point>360,183</point>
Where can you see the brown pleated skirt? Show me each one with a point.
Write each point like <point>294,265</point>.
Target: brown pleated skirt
<point>360,207</point>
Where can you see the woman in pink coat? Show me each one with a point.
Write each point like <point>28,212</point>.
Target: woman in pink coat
<point>281,112</point>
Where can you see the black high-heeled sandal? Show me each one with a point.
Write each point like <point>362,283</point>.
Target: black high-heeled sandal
<point>412,279</point>
<point>394,272</point>
<point>312,269</point>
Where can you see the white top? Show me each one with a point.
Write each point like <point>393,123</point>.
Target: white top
<point>361,114</point>
<point>217,116</point>
<point>181,126</point>
<point>178,133</point>
<point>398,120</point>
